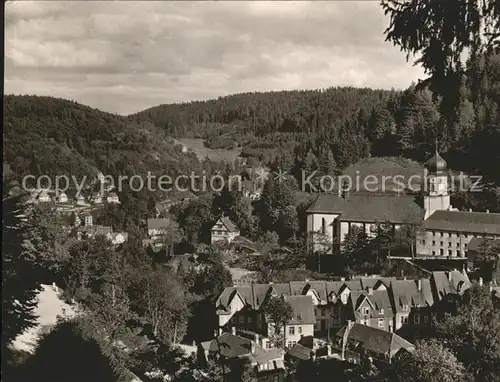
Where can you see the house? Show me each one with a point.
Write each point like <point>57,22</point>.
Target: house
<point>113,198</point>
<point>80,200</point>
<point>88,230</point>
<point>159,227</point>
<point>442,231</point>
<point>44,197</point>
<point>62,197</point>
<point>356,342</point>
<point>233,350</point>
<point>372,308</point>
<point>412,302</point>
<point>97,198</point>
<point>118,238</point>
<point>224,229</point>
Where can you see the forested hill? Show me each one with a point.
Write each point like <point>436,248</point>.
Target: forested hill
<point>348,124</point>
<point>44,135</point>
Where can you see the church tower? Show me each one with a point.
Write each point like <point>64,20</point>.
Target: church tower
<point>436,195</point>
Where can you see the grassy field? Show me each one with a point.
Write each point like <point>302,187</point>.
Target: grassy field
<point>228,156</point>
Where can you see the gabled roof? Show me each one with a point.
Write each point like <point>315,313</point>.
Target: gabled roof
<point>233,346</point>
<point>303,309</point>
<point>461,221</point>
<point>300,352</point>
<point>479,247</point>
<point>377,299</point>
<point>370,208</point>
<point>448,282</point>
<point>226,222</point>
<point>406,292</point>
<point>375,340</point>
<point>159,223</point>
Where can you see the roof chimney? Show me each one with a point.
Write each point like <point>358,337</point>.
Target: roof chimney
<point>419,284</point>
<point>480,281</point>
<point>233,330</point>
<point>449,276</point>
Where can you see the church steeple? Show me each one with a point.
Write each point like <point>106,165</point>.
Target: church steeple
<point>436,196</point>
<point>436,164</point>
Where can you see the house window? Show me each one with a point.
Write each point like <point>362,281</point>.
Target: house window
<point>291,330</point>
<point>405,307</point>
<point>426,319</point>
<point>381,322</point>
<point>416,319</point>
<point>423,242</point>
<point>300,329</point>
<point>249,319</point>
<point>366,311</point>
<point>276,378</point>
<point>323,226</point>
<point>458,245</point>
<point>268,345</point>
<point>233,320</point>
<point>441,244</point>
<point>242,319</point>
<point>450,252</point>
<point>441,251</point>
<point>433,252</point>
<point>404,319</point>
<point>433,242</point>
<point>381,311</point>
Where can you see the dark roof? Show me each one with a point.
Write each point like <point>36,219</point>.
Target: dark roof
<point>378,299</point>
<point>300,352</point>
<point>460,221</point>
<point>233,346</point>
<point>365,207</point>
<point>159,223</point>
<point>448,282</point>
<point>436,163</point>
<point>303,309</point>
<point>406,292</point>
<point>255,294</point>
<point>230,226</point>
<point>375,340</point>
<point>95,230</point>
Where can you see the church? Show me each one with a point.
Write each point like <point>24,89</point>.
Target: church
<point>442,232</point>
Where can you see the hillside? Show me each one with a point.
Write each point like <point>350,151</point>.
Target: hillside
<point>44,135</point>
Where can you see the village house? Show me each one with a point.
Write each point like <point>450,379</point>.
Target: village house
<point>113,198</point>
<point>231,349</point>
<point>355,342</point>
<point>88,230</point>
<point>62,197</point>
<point>157,228</point>
<point>441,230</point>
<point>224,230</point>
<point>44,197</point>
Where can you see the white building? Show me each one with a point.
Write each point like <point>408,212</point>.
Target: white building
<point>224,230</point>
<point>113,198</point>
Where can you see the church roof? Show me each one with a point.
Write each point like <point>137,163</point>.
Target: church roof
<point>461,221</point>
<point>436,163</point>
<point>370,207</point>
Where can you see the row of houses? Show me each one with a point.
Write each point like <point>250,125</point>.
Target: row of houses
<point>61,199</point>
<point>384,303</point>
<point>348,319</point>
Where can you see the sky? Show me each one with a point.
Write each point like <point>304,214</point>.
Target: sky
<point>126,56</point>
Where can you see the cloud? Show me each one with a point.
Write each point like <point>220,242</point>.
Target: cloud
<point>125,56</point>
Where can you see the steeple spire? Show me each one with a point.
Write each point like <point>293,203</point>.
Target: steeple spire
<point>436,145</point>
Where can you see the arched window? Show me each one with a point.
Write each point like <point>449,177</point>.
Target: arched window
<point>323,226</point>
